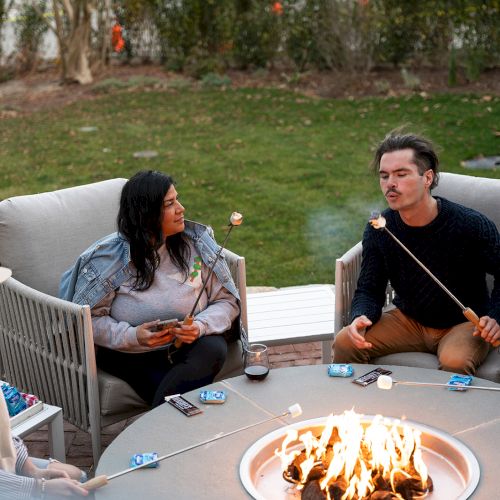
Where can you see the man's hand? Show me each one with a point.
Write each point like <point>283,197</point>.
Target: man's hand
<point>149,338</point>
<point>357,330</point>
<point>187,333</point>
<point>488,329</point>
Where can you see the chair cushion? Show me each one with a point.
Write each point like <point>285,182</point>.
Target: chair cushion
<point>117,398</point>
<point>415,359</point>
<point>480,193</point>
<point>489,370</point>
<point>234,361</point>
<point>41,235</point>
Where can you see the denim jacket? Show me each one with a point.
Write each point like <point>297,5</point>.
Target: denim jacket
<point>106,265</point>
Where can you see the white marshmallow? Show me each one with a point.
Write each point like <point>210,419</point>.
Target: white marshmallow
<point>295,410</point>
<point>236,219</point>
<point>384,382</point>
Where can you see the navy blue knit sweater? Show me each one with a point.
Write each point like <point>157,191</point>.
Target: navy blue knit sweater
<point>460,246</point>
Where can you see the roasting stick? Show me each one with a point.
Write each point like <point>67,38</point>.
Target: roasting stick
<point>235,220</point>
<point>380,223</point>
<point>386,382</point>
<point>293,411</point>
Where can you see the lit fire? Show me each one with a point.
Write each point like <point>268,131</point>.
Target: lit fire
<point>352,460</point>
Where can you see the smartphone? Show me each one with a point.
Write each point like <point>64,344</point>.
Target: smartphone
<point>162,325</point>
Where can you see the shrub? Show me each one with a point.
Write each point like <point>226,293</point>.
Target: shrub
<point>211,80</point>
<point>30,28</point>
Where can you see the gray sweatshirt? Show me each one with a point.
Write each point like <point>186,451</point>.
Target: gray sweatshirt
<point>116,317</point>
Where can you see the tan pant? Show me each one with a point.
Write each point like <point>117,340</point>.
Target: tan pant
<point>457,350</point>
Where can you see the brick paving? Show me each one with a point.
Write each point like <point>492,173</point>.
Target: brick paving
<point>78,444</point>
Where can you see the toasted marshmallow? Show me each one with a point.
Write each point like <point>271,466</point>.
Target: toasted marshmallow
<point>379,222</point>
<point>236,219</point>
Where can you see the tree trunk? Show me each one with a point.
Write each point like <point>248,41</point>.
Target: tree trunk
<point>77,54</point>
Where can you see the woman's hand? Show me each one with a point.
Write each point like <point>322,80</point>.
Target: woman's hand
<point>64,488</point>
<point>50,473</point>
<point>187,333</point>
<point>147,337</point>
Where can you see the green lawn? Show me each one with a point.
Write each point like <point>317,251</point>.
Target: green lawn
<point>296,167</point>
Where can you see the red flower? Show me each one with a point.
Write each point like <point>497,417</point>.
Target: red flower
<point>116,38</point>
<point>277,8</point>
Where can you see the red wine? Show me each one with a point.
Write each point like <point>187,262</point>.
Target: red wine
<point>256,372</point>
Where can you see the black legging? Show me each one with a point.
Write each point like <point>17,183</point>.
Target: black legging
<point>153,376</point>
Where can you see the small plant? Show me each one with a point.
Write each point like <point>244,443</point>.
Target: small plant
<point>382,86</point>
<point>179,83</point>
<point>214,80</point>
<point>411,81</point>
<point>143,81</point>
<point>474,64</point>
<point>30,28</point>
<point>108,85</point>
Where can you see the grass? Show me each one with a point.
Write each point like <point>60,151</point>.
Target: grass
<point>296,167</point>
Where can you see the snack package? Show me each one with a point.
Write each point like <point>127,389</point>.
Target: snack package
<point>213,397</point>
<point>459,380</point>
<point>340,370</point>
<point>30,399</point>
<point>15,402</point>
<point>143,458</point>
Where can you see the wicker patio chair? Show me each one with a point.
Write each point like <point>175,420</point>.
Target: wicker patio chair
<point>46,344</point>
<point>479,193</point>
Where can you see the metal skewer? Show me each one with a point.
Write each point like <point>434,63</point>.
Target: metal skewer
<point>379,223</point>
<point>386,382</point>
<point>294,411</point>
<point>188,320</point>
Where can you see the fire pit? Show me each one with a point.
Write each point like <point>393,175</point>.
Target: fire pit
<point>280,465</point>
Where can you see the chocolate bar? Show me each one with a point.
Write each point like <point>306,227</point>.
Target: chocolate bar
<point>183,405</point>
<point>371,376</point>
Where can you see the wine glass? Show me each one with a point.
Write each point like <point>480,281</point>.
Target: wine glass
<point>256,361</point>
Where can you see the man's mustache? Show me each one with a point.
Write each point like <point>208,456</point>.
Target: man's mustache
<point>392,190</point>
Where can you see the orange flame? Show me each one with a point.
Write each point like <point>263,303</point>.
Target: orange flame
<point>359,453</point>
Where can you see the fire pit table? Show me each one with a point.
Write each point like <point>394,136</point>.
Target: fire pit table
<point>212,471</point>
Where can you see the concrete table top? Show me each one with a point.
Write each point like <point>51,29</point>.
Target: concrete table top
<point>212,471</point>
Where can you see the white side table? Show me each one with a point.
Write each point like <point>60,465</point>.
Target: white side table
<point>293,315</point>
<point>53,417</point>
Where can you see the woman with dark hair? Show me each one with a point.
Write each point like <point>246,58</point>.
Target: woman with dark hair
<point>153,269</point>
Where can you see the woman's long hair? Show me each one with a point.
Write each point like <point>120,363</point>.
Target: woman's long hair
<point>139,221</point>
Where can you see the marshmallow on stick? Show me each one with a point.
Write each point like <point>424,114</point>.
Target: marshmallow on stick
<point>235,220</point>
<point>379,222</point>
<point>386,382</point>
<point>293,411</point>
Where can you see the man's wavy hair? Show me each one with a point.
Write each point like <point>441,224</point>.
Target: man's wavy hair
<point>139,221</point>
<point>424,155</point>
